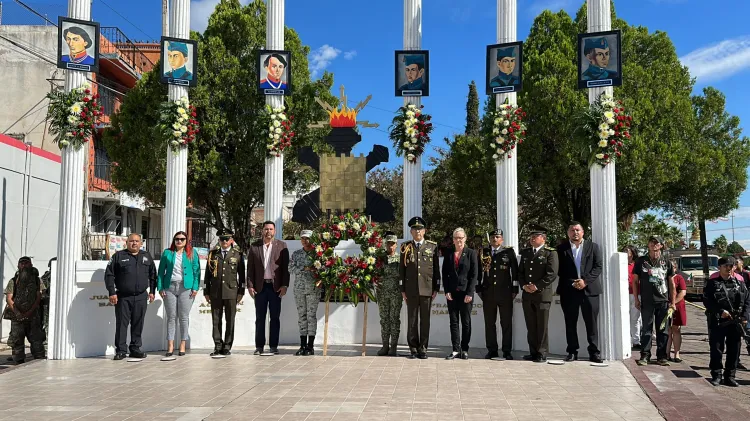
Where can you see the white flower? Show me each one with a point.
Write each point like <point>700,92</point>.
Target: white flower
<point>611,132</point>
<point>499,151</point>
<point>495,131</point>
<point>506,123</point>
<point>317,264</point>
<point>603,135</point>
<point>175,143</point>
<point>610,121</point>
<point>497,121</point>
<point>184,100</point>
<point>370,260</point>
<point>494,156</point>
<point>326,236</point>
<point>609,114</point>
<point>602,143</point>
<point>183,129</point>
<point>276,123</point>
<point>85,85</point>
<point>176,126</point>
<point>500,140</point>
<point>177,133</point>
<point>407,144</point>
<point>603,127</point>
<point>64,143</point>
<point>282,116</point>
<point>367,234</point>
<point>319,249</point>
<point>270,135</point>
<point>273,116</point>
<point>356,226</point>
<point>505,131</point>
<point>276,137</point>
<point>600,156</point>
<point>371,250</point>
<point>410,157</point>
<point>277,130</point>
<point>269,146</point>
<point>181,111</point>
<point>342,226</point>
<point>410,114</point>
<point>76,108</point>
<point>504,112</point>
<point>72,119</point>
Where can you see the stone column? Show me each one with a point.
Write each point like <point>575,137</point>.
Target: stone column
<point>506,171</point>
<point>273,193</point>
<point>72,176</point>
<point>614,320</point>
<point>176,200</point>
<point>412,170</point>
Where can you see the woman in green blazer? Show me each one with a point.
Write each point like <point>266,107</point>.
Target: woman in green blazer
<point>178,282</point>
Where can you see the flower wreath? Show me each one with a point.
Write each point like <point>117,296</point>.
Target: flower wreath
<point>352,277</point>
<point>280,133</point>
<point>177,123</point>
<point>508,130</point>
<point>410,131</point>
<point>607,121</point>
<point>72,115</point>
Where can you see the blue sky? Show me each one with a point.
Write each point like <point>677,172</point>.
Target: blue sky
<point>355,40</point>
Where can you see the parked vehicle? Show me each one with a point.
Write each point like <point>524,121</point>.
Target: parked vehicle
<point>691,268</point>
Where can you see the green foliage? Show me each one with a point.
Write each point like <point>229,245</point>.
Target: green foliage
<point>226,164</point>
<point>720,244</point>
<point>472,111</point>
<point>410,131</point>
<point>72,116</point>
<point>649,224</point>
<point>735,248</point>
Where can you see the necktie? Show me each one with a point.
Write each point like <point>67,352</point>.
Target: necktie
<point>493,252</point>
<point>224,255</point>
<point>418,244</point>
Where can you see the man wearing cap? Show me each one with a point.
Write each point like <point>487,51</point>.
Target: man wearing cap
<point>274,65</point>
<point>414,72</point>
<point>419,272</point>
<point>596,51</point>
<point>177,55</point>
<point>579,289</point>
<point>389,298</point>
<point>306,294</point>
<point>506,62</point>
<point>536,273</point>
<point>268,280</point>
<point>22,299</point>
<point>655,294</point>
<point>727,304</point>
<point>224,289</point>
<point>498,287</point>
<point>130,279</point>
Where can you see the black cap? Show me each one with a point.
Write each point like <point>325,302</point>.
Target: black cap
<point>537,229</point>
<point>727,261</point>
<point>656,238</point>
<point>496,231</point>
<point>417,222</point>
<point>224,233</point>
<point>24,259</point>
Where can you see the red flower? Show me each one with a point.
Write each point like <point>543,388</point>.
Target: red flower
<point>347,290</point>
<point>337,234</point>
<point>606,156</point>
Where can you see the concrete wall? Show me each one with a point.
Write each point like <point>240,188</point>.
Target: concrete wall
<point>93,318</point>
<point>38,237</point>
<point>27,60</point>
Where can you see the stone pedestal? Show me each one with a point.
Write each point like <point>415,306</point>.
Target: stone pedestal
<point>273,196</point>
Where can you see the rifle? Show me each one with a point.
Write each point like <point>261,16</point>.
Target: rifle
<point>735,318</point>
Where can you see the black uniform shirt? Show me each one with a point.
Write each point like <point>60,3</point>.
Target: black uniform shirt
<point>129,274</point>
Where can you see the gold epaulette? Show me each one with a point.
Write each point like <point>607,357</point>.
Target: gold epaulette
<point>507,247</point>
<point>430,242</point>
<point>550,248</point>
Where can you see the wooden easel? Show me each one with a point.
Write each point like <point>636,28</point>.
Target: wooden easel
<point>364,330</point>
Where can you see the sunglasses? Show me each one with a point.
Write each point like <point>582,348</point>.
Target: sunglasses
<point>180,239</point>
<point>225,238</point>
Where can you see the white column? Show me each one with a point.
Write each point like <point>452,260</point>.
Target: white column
<point>614,302</point>
<point>176,200</point>
<point>273,193</point>
<point>72,175</point>
<point>506,171</point>
<point>412,170</point>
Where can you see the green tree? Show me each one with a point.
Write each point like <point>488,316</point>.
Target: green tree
<point>649,224</point>
<point>720,244</point>
<point>226,164</point>
<point>472,111</point>
<point>735,248</point>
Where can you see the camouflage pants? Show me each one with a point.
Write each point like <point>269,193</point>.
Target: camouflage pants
<point>389,306</point>
<point>26,329</point>
<point>307,309</point>
<point>45,319</point>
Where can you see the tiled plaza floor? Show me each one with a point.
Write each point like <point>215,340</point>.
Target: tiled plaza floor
<point>342,386</point>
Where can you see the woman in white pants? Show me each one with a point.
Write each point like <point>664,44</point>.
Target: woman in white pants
<point>178,281</point>
<point>635,314</point>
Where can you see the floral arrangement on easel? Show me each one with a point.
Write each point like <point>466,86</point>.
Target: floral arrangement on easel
<point>410,131</point>
<point>508,130</point>
<point>609,124</point>
<point>280,132</point>
<point>178,123</point>
<point>72,115</point>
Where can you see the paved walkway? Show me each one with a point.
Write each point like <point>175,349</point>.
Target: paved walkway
<point>342,386</point>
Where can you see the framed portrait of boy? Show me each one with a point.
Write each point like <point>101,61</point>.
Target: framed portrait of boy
<point>599,59</point>
<point>504,68</point>
<point>274,72</point>
<point>412,71</point>
<point>77,44</point>
<point>178,61</point>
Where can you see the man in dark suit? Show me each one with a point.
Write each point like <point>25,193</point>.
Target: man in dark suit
<point>268,280</point>
<point>498,287</point>
<point>579,289</point>
<point>419,271</point>
<point>537,272</point>
<point>224,288</point>
<point>460,271</point>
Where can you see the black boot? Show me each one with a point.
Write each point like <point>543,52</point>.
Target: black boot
<point>302,349</point>
<point>310,343</point>
<point>393,352</point>
<point>382,352</point>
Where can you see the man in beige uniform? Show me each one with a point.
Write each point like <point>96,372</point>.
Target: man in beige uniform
<point>419,270</point>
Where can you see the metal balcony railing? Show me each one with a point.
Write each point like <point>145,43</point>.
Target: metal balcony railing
<point>100,177</point>
<point>121,46</point>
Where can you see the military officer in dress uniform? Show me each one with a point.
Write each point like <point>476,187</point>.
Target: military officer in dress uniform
<point>596,51</point>
<point>419,270</point>
<point>506,62</point>
<point>225,286</point>
<point>498,287</point>
<point>536,273</point>
<point>414,71</point>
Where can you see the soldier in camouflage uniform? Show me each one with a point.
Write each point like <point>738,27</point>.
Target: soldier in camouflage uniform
<point>46,278</point>
<point>306,294</point>
<point>389,299</point>
<point>22,296</point>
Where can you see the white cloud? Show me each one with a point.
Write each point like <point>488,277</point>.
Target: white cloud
<point>539,6</point>
<point>719,61</point>
<point>200,10</point>
<point>349,55</point>
<point>321,58</point>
